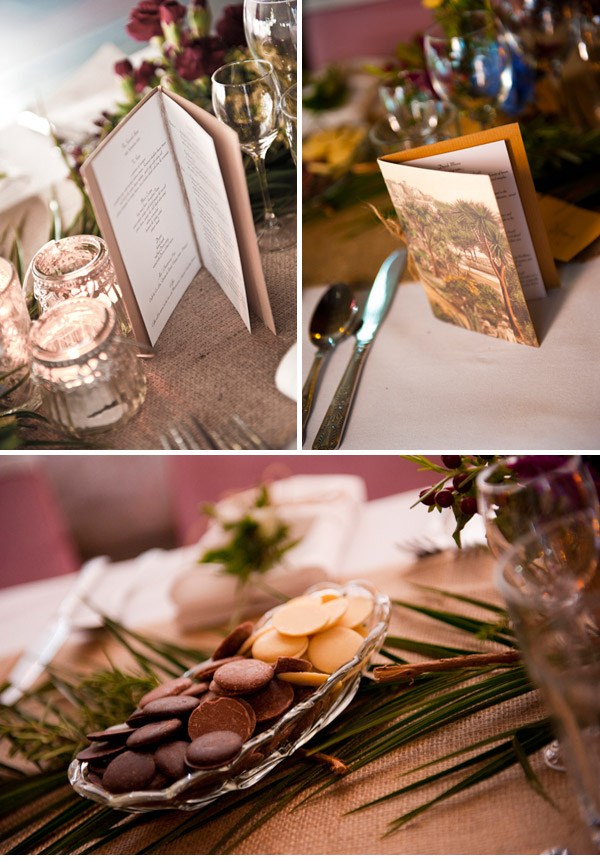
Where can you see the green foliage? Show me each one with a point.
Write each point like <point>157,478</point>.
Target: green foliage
<point>258,542</point>
<point>382,718</point>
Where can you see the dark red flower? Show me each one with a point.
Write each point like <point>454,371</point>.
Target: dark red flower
<point>171,12</point>
<point>143,75</point>
<point>124,68</point>
<point>199,57</point>
<point>230,27</point>
<point>144,19</point>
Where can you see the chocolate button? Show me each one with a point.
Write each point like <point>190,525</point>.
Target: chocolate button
<point>170,688</point>
<point>170,706</point>
<point>244,677</point>
<point>138,718</point>
<point>170,758</point>
<point>272,701</point>
<point>197,689</point>
<point>214,749</point>
<point>100,751</point>
<point>226,713</point>
<point>115,733</point>
<point>205,671</point>
<point>130,771</point>
<point>154,733</point>
<point>234,641</point>
<point>292,664</point>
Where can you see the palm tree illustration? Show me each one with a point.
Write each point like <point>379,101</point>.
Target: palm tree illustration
<point>491,239</point>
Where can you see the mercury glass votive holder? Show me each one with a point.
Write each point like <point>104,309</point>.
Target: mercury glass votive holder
<point>77,267</point>
<point>16,388</point>
<point>88,374</point>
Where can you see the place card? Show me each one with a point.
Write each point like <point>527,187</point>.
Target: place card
<point>475,232</point>
<point>168,188</point>
<point>570,228</point>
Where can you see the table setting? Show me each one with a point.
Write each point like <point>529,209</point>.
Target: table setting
<point>130,335</point>
<point>446,687</point>
<point>474,81</point>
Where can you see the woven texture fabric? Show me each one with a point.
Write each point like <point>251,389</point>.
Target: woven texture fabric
<point>504,815</point>
<point>209,365</point>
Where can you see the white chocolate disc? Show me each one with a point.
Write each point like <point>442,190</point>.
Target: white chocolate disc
<point>359,608</point>
<point>300,620</point>
<point>273,644</point>
<point>336,608</point>
<point>303,679</point>
<point>331,648</point>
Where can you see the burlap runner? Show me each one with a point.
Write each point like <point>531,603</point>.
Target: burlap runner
<point>502,816</point>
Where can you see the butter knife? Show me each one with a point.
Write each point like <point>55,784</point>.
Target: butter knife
<point>380,297</point>
<point>37,657</point>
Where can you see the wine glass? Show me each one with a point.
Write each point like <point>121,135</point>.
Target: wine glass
<point>245,97</point>
<point>289,110</point>
<point>469,63</point>
<point>559,636</point>
<point>521,494</point>
<point>271,33</point>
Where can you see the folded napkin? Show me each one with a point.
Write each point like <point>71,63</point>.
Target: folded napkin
<point>321,511</point>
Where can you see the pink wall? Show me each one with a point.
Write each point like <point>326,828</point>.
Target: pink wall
<point>197,480</point>
<point>56,510</point>
<point>352,31</point>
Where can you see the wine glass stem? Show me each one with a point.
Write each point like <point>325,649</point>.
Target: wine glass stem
<point>270,217</point>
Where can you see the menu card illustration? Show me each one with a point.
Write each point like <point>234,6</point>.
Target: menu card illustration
<point>169,191</point>
<point>475,235</point>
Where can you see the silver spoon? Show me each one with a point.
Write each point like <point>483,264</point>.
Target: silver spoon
<point>333,319</point>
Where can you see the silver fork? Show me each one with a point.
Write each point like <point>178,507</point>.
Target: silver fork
<point>191,435</point>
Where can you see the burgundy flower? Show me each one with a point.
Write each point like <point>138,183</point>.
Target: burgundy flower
<point>171,12</point>
<point>143,75</point>
<point>144,19</point>
<point>199,57</point>
<point>231,25</point>
<point>124,68</point>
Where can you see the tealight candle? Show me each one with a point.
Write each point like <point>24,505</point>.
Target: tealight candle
<point>15,348</point>
<point>77,267</point>
<point>88,375</point>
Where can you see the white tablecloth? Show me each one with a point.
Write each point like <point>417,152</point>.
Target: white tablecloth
<point>429,385</point>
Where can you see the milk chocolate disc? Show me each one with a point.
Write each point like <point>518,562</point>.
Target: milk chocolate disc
<point>292,664</point>
<point>173,687</point>
<point>114,733</point>
<point>213,749</point>
<point>205,671</point>
<point>170,706</point>
<point>272,701</point>
<point>130,771</point>
<point>220,713</point>
<point>170,758</point>
<point>154,733</point>
<point>234,641</point>
<point>244,676</point>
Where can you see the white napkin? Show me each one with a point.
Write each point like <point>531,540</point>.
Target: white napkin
<point>320,510</point>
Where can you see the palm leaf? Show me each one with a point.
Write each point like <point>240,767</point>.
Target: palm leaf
<point>382,718</point>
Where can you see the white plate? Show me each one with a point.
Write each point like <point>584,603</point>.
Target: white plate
<point>286,375</point>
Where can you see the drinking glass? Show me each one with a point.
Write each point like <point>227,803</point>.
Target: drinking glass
<point>87,373</point>
<point>289,110</point>
<point>271,33</point>
<point>559,634</point>
<point>76,267</point>
<point>16,388</point>
<point>245,97</point>
<point>521,494</point>
<point>469,63</point>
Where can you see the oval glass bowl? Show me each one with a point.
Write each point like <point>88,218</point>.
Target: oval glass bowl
<point>262,752</point>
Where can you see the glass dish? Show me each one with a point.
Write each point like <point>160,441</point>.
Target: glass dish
<point>261,753</point>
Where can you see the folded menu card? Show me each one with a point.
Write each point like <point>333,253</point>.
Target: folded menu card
<point>470,215</point>
<point>169,192</point>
